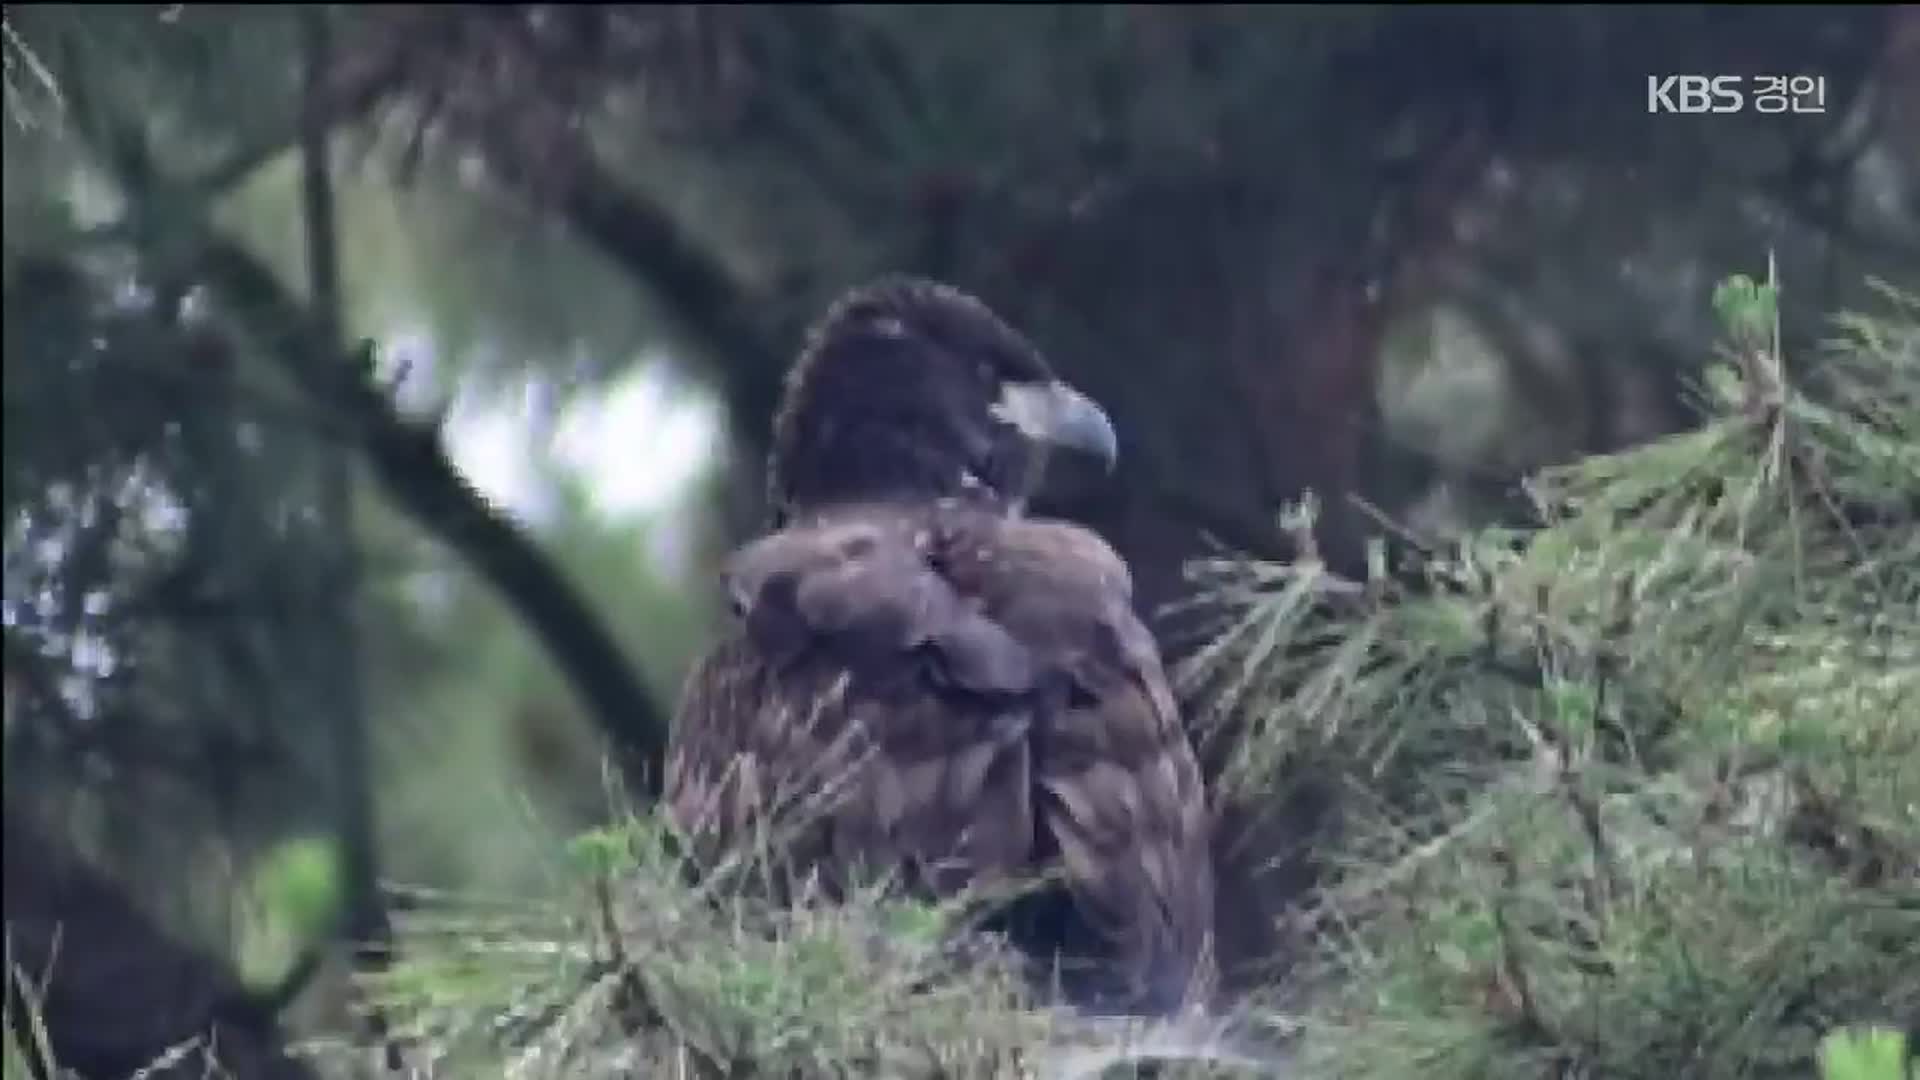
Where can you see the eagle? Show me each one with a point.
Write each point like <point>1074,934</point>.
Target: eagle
<point>922,685</point>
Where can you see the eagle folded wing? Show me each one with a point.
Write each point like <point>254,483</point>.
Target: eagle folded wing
<point>863,693</point>
<point>1118,788</point>
<point>984,695</point>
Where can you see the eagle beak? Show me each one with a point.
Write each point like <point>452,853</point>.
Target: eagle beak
<point>1057,414</point>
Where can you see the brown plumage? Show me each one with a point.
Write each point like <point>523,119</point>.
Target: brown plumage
<point>936,688</point>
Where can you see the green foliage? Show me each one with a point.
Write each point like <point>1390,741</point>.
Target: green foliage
<point>300,882</point>
<point>296,901</point>
<point>1747,311</point>
<point>1631,795</point>
<point>639,969</point>
<point>1865,1054</point>
<point>599,853</point>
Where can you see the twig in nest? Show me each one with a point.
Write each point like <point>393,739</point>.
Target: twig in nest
<point>1515,988</point>
<point>634,1001</point>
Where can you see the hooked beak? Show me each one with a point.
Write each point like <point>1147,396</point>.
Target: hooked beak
<point>1057,414</point>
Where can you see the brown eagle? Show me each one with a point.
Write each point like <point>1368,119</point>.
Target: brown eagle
<point>923,683</point>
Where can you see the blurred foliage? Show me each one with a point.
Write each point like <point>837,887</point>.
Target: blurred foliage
<point>167,566</point>
<point>492,725</point>
<point>297,898</point>
<point>156,558</point>
<point>1870,1054</point>
<point>496,291</point>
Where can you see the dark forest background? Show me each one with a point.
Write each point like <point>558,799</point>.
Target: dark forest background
<point>384,383</point>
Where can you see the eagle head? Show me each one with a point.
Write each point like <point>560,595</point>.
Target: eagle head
<point>909,388</point>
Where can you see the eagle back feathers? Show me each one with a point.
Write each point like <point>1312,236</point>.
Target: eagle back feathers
<point>953,696</point>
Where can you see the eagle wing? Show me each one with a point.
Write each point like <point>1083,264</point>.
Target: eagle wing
<point>1117,789</point>
<point>954,697</point>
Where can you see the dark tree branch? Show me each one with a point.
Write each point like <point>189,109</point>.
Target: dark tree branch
<point>411,465</point>
<point>409,462</point>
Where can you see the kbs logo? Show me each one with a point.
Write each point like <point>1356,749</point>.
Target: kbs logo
<point>1694,94</point>
<point>1772,94</point>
